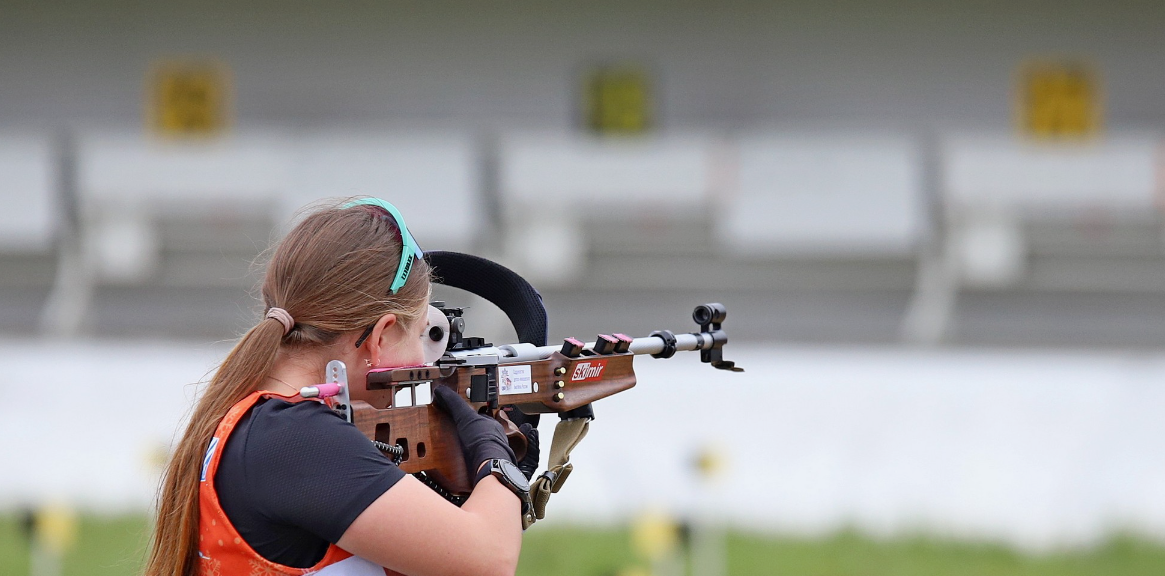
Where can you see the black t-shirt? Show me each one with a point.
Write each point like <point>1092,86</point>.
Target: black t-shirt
<point>294,475</point>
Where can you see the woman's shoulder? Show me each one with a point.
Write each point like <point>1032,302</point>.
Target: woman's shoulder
<point>280,435</point>
<point>300,471</point>
<point>276,425</point>
<point>280,408</point>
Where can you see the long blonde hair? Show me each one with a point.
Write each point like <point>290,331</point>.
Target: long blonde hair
<point>332,273</point>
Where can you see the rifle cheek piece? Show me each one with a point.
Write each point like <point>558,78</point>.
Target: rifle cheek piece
<point>669,343</point>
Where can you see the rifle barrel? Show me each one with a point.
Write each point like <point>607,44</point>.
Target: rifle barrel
<point>646,345</point>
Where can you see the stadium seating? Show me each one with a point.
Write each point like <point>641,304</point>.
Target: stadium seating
<point>433,178</point>
<point>551,185</point>
<point>31,214</point>
<point>195,213</point>
<point>996,188</point>
<point>128,183</point>
<point>822,195</point>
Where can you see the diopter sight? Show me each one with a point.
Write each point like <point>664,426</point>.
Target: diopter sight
<point>710,317</point>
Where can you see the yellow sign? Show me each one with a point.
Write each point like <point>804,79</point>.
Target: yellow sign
<point>189,98</point>
<point>56,527</point>
<point>618,101</point>
<point>654,534</point>
<point>1059,100</point>
<point>709,462</point>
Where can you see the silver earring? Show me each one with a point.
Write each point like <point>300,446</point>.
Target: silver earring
<point>368,362</point>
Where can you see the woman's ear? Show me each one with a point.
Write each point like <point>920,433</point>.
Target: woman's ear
<point>382,338</point>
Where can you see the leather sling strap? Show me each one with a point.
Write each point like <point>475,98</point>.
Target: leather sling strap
<point>567,435</point>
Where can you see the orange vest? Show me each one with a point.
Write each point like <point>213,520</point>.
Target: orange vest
<point>222,552</point>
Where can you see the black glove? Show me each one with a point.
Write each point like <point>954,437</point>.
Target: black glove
<point>529,463</point>
<point>481,436</point>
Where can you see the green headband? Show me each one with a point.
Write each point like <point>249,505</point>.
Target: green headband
<point>409,249</point>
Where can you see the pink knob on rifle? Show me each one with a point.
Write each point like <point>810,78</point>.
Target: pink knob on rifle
<point>321,390</point>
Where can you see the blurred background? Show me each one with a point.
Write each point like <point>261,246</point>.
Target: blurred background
<point>936,227</point>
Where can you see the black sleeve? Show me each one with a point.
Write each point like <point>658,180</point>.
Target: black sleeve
<point>298,467</point>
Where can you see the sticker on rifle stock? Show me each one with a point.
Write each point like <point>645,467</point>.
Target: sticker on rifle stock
<point>514,380</point>
<point>587,371</point>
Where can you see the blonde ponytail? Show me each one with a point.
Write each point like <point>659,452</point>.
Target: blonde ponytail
<point>175,542</point>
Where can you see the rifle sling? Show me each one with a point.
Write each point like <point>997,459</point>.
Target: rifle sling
<point>567,435</point>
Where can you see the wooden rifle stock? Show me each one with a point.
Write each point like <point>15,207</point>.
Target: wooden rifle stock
<point>426,434</point>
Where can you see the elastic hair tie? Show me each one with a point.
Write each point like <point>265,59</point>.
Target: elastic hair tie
<point>283,317</point>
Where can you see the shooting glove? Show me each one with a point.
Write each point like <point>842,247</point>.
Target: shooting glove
<point>481,436</point>
<point>529,463</point>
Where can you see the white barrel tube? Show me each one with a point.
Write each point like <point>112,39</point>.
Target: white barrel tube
<point>523,352</point>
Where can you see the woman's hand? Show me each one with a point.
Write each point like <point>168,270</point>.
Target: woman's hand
<point>529,463</point>
<point>481,437</point>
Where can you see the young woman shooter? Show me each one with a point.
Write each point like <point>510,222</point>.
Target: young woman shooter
<point>264,482</point>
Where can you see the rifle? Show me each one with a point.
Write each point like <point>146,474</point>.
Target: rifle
<point>498,380</point>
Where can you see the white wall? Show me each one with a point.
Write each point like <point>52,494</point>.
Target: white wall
<point>1033,448</point>
<point>735,63</point>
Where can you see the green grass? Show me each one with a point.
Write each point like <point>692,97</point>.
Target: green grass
<point>577,552</point>
<point>850,554</point>
<point>114,546</point>
<point>105,546</point>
